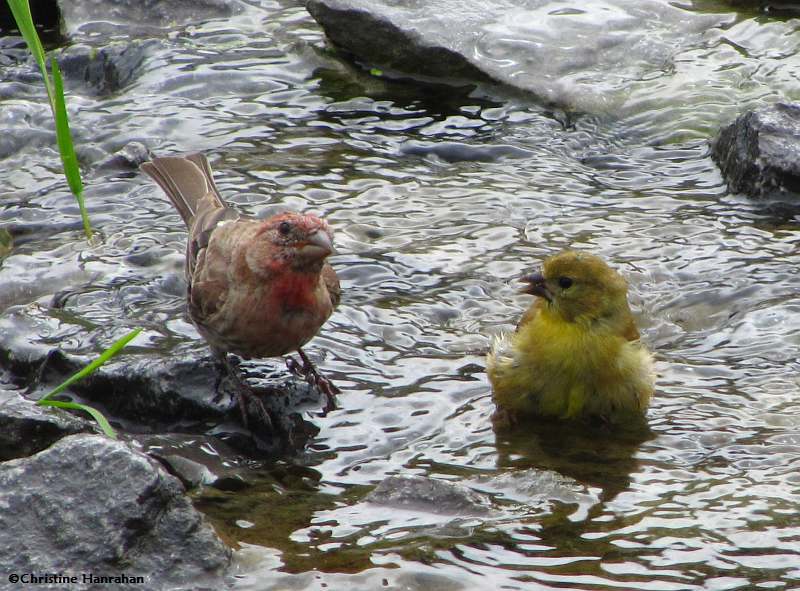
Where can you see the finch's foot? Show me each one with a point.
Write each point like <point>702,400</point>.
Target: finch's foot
<point>312,375</point>
<point>245,396</point>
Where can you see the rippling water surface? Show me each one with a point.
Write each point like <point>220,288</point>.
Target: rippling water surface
<point>428,253</point>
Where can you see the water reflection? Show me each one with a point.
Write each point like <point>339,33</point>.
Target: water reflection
<point>429,249</point>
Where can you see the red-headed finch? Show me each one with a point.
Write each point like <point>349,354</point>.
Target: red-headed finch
<point>256,288</point>
<point>576,352</point>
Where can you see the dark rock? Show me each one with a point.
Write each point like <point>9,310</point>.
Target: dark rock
<point>178,390</point>
<point>364,29</point>
<point>759,153</point>
<point>191,474</point>
<point>527,44</point>
<point>140,18</point>
<point>430,495</point>
<point>775,7</point>
<point>457,152</point>
<point>45,13</point>
<point>129,157</point>
<point>198,460</point>
<point>26,428</point>
<point>105,70</point>
<point>89,504</point>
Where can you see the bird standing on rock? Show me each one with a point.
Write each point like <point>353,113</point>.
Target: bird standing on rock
<point>256,288</point>
<point>576,352</point>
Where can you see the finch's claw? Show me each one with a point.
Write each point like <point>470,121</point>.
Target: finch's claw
<point>313,377</point>
<point>243,393</point>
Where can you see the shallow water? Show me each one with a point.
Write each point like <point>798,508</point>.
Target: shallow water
<point>428,254</point>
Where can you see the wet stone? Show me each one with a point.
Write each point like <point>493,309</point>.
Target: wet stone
<point>759,153</point>
<point>526,45</point>
<point>771,7</point>
<point>198,460</point>
<point>105,70</point>
<point>137,18</point>
<point>430,495</point>
<point>129,157</point>
<point>26,429</point>
<point>457,152</point>
<point>183,390</point>
<point>89,504</point>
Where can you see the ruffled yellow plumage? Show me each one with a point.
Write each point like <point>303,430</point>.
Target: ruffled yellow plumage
<point>576,352</point>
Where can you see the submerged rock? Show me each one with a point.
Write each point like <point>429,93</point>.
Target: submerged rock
<point>776,7</point>
<point>581,59</point>
<point>90,16</point>
<point>90,505</point>
<point>759,153</point>
<point>105,70</point>
<point>430,495</point>
<point>460,152</point>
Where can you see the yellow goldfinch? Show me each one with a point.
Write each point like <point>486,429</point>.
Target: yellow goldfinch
<point>576,352</point>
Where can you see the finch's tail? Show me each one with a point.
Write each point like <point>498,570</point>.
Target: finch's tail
<point>188,182</point>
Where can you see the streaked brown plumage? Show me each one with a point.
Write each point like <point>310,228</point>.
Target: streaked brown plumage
<point>256,288</point>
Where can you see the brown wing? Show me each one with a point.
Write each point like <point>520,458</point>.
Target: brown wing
<point>332,283</point>
<point>188,182</point>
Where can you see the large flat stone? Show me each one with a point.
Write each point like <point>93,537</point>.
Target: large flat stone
<point>578,58</point>
<point>91,505</point>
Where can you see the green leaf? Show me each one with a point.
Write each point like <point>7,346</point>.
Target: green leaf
<point>96,414</point>
<point>89,369</point>
<point>65,146</point>
<point>55,92</point>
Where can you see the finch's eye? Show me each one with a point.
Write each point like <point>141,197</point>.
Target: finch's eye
<point>284,228</point>
<point>564,282</point>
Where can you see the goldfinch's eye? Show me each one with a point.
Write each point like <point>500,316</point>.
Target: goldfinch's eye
<point>564,282</point>
<point>284,228</point>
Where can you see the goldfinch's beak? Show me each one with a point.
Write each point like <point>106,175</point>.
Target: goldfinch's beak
<point>535,286</point>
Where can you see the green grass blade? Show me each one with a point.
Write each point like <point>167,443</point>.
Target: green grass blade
<point>63,135</point>
<point>89,369</point>
<point>22,15</point>
<point>96,414</point>
<point>55,92</point>
<point>65,146</point>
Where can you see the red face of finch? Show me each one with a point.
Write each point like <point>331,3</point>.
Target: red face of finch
<point>256,288</point>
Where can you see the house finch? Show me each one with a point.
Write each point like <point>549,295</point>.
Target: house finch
<point>256,288</point>
<point>576,352</point>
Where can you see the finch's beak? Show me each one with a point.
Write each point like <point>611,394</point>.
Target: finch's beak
<point>535,286</point>
<point>318,246</point>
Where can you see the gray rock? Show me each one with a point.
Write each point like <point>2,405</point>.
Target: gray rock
<point>178,390</point>
<point>379,33</point>
<point>105,70</point>
<point>26,428</point>
<point>91,505</point>
<point>430,495</point>
<point>191,474</point>
<point>458,152</point>
<point>583,59</point>
<point>198,460</point>
<point>759,153</point>
<point>129,157</point>
<point>775,7</point>
<point>140,18</point>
